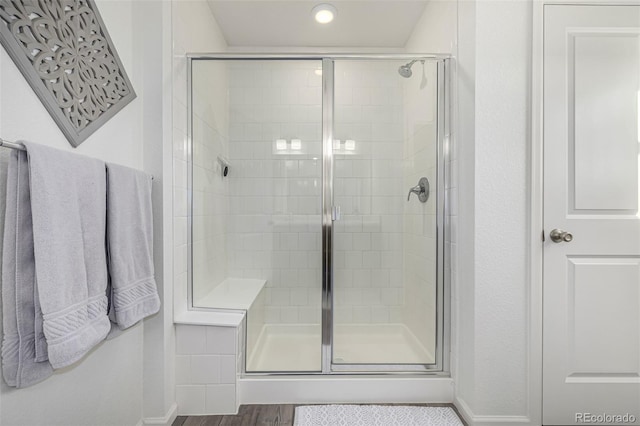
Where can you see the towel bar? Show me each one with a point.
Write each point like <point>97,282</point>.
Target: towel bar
<point>17,145</point>
<point>12,145</point>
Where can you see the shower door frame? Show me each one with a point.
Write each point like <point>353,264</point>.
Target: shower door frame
<point>443,313</point>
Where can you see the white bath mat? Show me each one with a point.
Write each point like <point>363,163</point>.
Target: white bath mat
<point>375,415</point>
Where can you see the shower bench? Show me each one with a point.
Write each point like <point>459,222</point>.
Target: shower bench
<point>210,346</point>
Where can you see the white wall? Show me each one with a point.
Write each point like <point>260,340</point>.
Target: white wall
<point>152,41</point>
<point>105,387</point>
<point>436,30</point>
<point>502,78</point>
<point>463,291</point>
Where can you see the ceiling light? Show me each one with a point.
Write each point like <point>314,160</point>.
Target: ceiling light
<point>324,13</point>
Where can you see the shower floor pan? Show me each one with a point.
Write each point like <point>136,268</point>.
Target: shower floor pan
<point>297,348</point>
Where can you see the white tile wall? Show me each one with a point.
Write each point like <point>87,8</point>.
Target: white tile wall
<point>195,30</point>
<point>210,188</point>
<point>274,196</point>
<point>221,340</point>
<point>264,221</point>
<point>221,398</point>
<point>419,230</point>
<point>228,369</point>
<point>370,191</point>
<point>207,369</point>
<point>191,399</point>
<point>191,340</point>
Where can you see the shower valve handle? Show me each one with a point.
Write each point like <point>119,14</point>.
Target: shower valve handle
<point>421,190</point>
<point>415,190</point>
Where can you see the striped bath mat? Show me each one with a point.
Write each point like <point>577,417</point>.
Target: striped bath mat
<point>375,415</point>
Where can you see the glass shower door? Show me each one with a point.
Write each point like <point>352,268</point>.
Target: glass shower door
<point>324,179</point>
<point>385,257</point>
<point>262,219</point>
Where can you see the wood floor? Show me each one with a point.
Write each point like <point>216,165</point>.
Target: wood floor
<point>263,415</point>
<point>248,415</point>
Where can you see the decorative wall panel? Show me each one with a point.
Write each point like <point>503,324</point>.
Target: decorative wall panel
<point>64,51</point>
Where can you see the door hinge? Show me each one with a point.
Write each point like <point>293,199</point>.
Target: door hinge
<point>543,237</point>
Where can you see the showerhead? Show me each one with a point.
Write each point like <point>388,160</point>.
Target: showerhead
<point>405,70</point>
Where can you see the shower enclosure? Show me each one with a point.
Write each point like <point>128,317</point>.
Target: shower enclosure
<point>317,184</point>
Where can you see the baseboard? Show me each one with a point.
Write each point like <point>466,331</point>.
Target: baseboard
<point>477,420</point>
<point>464,410</point>
<point>167,420</point>
<point>502,420</point>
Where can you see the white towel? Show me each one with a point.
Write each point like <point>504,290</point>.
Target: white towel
<point>134,295</point>
<point>68,203</point>
<point>24,362</point>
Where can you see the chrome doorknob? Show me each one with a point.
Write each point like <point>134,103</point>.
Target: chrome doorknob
<point>559,236</point>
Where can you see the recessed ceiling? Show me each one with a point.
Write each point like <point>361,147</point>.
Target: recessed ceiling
<point>363,23</point>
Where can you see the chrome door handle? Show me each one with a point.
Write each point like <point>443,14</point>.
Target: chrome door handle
<point>421,189</point>
<point>559,236</point>
<point>335,213</point>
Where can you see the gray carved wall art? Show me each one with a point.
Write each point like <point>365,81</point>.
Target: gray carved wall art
<point>64,51</point>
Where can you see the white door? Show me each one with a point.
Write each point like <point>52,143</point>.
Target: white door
<point>591,356</point>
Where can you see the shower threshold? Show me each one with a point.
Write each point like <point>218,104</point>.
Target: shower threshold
<point>297,348</point>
